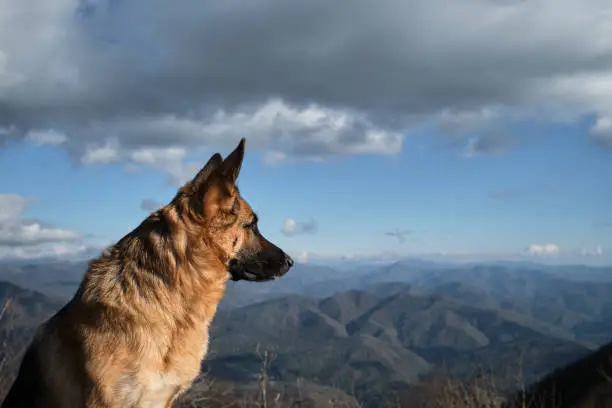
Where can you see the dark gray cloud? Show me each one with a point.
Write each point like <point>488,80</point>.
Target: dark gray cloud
<point>400,234</point>
<point>292,227</point>
<point>306,79</point>
<point>150,205</point>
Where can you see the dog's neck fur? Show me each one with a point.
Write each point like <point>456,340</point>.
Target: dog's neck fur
<point>167,247</point>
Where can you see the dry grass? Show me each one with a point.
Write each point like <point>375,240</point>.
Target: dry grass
<point>441,390</point>
<point>263,393</point>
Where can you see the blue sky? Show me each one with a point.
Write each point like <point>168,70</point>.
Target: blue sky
<point>387,130</point>
<point>552,187</point>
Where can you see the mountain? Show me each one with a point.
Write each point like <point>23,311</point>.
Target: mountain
<point>56,279</point>
<point>577,307</point>
<point>24,308</point>
<point>21,312</point>
<point>371,329</point>
<point>510,281</point>
<point>378,343</point>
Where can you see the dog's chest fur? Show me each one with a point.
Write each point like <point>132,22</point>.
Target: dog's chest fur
<point>152,389</point>
<point>149,387</point>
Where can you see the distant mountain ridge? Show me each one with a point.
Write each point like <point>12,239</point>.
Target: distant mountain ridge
<point>381,341</point>
<point>376,328</point>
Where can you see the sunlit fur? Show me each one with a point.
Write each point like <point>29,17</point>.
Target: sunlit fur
<point>136,331</point>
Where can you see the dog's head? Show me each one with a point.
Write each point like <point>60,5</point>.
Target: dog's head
<point>230,224</point>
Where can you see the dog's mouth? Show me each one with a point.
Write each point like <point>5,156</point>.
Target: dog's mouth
<point>252,277</point>
<point>258,272</point>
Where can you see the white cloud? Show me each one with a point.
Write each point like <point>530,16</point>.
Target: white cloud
<point>307,131</point>
<point>273,157</point>
<point>292,227</point>
<point>167,159</point>
<point>15,231</point>
<point>543,249</point>
<point>101,154</point>
<point>164,156</point>
<point>21,238</point>
<point>596,251</point>
<point>52,251</point>
<point>602,130</point>
<point>302,257</point>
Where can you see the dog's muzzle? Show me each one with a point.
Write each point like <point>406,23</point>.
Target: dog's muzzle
<point>258,270</point>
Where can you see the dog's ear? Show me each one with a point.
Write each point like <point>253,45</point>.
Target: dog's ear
<point>213,164</point>
<point>221,194</point>
<point>230,168</point>
<point>220,200</point>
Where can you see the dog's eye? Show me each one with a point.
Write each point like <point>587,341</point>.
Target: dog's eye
<point>252,224</point>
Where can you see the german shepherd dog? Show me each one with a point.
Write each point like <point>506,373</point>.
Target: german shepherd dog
<point>135,332</point>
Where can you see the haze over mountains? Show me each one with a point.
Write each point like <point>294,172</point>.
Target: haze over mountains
<point>370,329</point>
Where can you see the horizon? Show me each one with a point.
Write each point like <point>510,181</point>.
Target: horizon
<point>345,263</point>
<point>391,141</point>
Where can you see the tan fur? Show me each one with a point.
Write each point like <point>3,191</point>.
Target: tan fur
<point>136,330</point>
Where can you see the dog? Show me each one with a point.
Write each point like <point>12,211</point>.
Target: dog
<point>136,330</point>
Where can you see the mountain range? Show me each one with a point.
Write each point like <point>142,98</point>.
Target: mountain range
<point>372,330</point>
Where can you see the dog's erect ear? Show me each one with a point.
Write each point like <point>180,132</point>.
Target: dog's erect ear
<point>220,194</point>
<point>230,168</point>
<point>213,164</point>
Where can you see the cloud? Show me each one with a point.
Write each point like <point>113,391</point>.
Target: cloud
<point>596,251</point>
<point>292,227</point>
<point>302,257</point>
<point>100,154</point>
<point>26,239</point>
<point>70,252</point>
<point>602,131</point>
<point>400,234</point>
<point>150,205</point>
<point>543,249</point>
<point>16,231</point>
<point>488,145</point>
<point>452,122</point>
<point>46,137</point>
<point>198,75</point>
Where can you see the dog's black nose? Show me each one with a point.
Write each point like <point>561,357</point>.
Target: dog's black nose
<point>288,261</point>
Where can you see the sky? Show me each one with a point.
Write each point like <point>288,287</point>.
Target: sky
<point>475,130</point>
